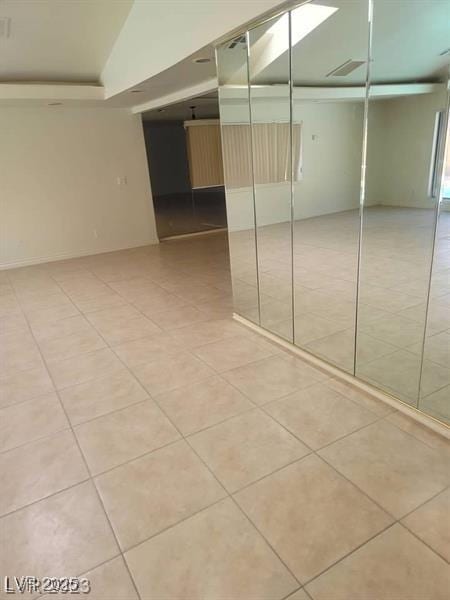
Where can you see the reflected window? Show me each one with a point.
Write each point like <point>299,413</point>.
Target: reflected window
<point>271,142</point>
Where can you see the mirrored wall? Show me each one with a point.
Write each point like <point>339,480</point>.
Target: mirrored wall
<point>334,118</point>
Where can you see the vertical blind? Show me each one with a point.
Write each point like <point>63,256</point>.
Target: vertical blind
<point>204,155</point>
<point>271,153</point>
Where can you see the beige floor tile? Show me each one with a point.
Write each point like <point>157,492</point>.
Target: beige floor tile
<point>67,533</point>
<point>100,396</point>
<point>393,566</point>
<point>124,434</point>
<point>434,377</point>
<point>216,554</point>
<point>203,404</point>
<point>398,373</point>
<point>11,323</point>
<point>395,469</point>
<point>311,327</point>
<point>110,316</point>
<point>431,522</point>
<point>38,301</point>
<point>299,595</point>
<point>31,420</point>
<point>273,377</point>
<point>110,581</point>
<point>170,372</point>
<point>38,469</point>
<point>147,349</point>
<point>362,398</point>
<point>90,303</point>
<point>318,415</point>
<point>178,317</point>
<point>128,330</point>
<point>122,324</point>
<point>151,304</point>
<point>311,515</point>
<point>71,346</point>
<point>84,368</point>
<point>18,352</point>
<point>48,315</point>
<point>246,448</point>
<point>151,493</point>
<point>337,348</point>
<point>62,328</point>
<point>421,432</point>
<point>199,334</point>
<point>436,404</point>
<point>437,348</point>
<point>395,330</point>
<point>234,352</point>
<point>24,385</point>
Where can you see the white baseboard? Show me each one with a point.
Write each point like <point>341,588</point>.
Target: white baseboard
<point>417,415</point>
<point>27,262</point>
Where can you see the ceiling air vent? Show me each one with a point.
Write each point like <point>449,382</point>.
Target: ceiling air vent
<point>346,68</point>
<point>236,42</point>
<point>5,27</point>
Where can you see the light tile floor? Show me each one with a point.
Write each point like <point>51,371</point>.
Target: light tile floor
<point>394,281</point>
<point>154,445</point>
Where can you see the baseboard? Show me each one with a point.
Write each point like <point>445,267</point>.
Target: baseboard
<point>28,262</point>
<point>424,419</point>
<point>194,234</point>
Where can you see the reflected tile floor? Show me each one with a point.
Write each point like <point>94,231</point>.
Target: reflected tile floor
<point>395,264</point>
<point>157,447</point>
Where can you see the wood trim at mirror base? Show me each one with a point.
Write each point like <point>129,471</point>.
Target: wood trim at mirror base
<point>417,415</point>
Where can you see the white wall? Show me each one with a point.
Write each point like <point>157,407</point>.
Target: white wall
<point>400,139</point>
<point>58,180</point>
<point>331,148</point>
<point>180,31</point>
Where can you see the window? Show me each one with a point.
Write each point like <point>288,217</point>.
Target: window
<point>271,153</point>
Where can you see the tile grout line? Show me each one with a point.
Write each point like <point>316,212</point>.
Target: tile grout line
<point>86,466</point>
<point>258,406</point>
<point>229,496</point>
<point>214,476</point>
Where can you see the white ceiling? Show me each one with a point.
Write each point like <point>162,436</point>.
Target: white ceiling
<point>59,40</point>
<point>206,107</point>
<point>185,74</point>
<point>408,37</point>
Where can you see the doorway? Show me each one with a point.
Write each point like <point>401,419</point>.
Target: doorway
<point>185,166</point>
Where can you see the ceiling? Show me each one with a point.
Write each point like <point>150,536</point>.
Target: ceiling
<point>185,74</point>
<point>206,107</point>
<point>59,40</point>
<point>408,38</point>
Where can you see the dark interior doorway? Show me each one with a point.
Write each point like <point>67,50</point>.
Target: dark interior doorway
<point>179,208</point>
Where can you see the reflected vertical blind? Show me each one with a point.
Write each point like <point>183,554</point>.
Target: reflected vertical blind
<point>271,153</point>
<point>204,154</point>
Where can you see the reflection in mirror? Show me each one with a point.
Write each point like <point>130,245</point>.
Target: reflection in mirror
<point>436,354</point>
<point>409,72</point>
<point>271,143</point>
<point>329,68</point>
<point>236,149</point>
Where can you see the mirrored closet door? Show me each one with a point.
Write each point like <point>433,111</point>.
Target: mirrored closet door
<point>334,117</point>
<point>270,111</point>
<point>434,396</point>
<point>408,94</point>
<point>329,47</point>
<point>232,70</point>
